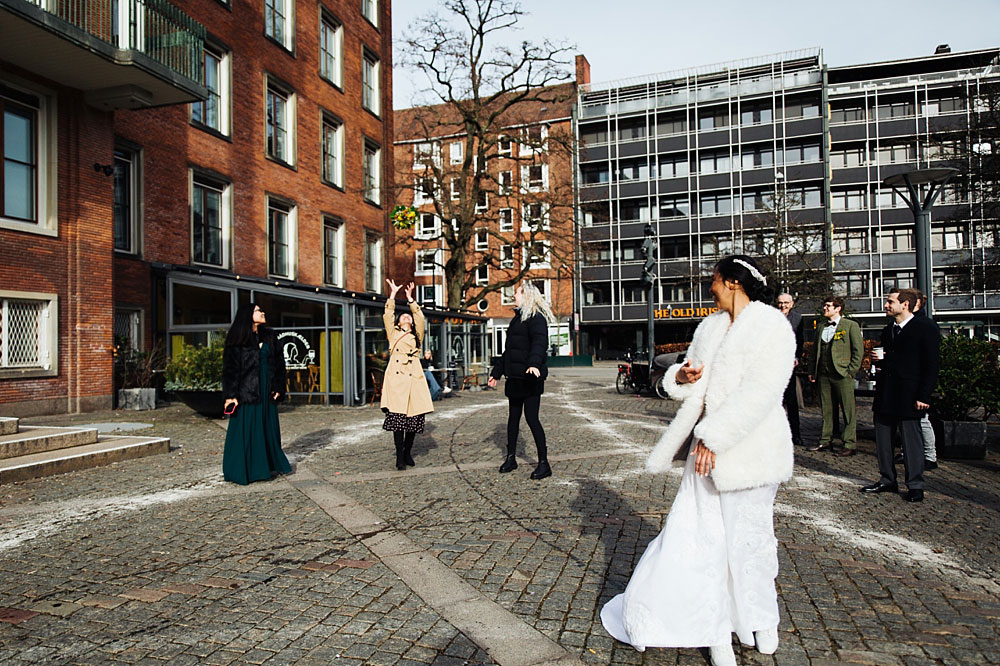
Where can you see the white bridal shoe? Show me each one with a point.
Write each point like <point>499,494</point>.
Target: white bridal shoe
<point>767,640</point>
<point>722,655</point>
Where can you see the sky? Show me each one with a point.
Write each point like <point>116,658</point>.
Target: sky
<point>626,38</point>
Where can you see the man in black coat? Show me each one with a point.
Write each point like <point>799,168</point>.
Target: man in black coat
<point>907,376</point>
<point>791,399</point>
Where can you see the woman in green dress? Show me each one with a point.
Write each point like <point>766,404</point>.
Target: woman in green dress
<point>253,380</point>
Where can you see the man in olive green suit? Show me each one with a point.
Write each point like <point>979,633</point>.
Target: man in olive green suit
<point>839,352</point>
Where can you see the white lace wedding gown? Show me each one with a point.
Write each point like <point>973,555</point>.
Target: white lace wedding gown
<point>708,573</point>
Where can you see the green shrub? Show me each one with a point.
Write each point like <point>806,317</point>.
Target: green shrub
<point>196,368</point>
<point>969,378</point>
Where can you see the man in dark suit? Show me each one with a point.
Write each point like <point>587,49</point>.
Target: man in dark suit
<point>791,399</point>
<point>907,376</point>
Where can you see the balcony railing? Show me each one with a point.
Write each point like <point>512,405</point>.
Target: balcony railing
<point>154,28</point>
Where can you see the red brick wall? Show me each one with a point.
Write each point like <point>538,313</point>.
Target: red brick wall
<point>75,265</point>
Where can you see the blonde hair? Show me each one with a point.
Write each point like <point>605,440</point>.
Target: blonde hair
<point>533,302</point>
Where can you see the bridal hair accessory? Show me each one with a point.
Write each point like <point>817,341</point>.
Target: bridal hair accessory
<point>753,271</point>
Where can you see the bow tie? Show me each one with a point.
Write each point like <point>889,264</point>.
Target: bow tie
<point>831,323</point>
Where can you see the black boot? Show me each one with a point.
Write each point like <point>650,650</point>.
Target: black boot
<point>400,461</point>
<point>509,464</point>
<point>542,471</point>
<point>407,448</point>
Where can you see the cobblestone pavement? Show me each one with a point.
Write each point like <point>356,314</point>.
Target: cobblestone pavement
<point>158,561</point>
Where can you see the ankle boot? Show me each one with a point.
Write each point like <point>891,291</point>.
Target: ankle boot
<point>542,471</point>
<point>509,464</point>
<point>400,461</point>
<point>407,458</point>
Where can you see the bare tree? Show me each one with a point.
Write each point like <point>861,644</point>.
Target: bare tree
<point>491,98</point>
<point>788,246</point>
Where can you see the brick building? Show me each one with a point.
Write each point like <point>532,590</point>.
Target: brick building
<point>258,176</point>
<point>525,207</point>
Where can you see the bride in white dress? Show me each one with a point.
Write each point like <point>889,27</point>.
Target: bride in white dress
<point>711,570</point>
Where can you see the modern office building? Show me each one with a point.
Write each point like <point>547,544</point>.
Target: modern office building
<point>700,153</point>
<point>147,200</point>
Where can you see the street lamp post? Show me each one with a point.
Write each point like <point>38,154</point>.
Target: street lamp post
<point>649,280</point>
<point>934,180</point>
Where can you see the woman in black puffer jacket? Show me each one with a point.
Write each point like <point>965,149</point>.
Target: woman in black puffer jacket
<point>523,363</point>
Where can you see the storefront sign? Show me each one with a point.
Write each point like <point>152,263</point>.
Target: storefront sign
<point>683,313</point>
<point>298,354</point>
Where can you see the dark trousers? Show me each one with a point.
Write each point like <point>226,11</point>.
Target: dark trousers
<point>913,450</point>
<point>529,406</point>
<point>791,403</point>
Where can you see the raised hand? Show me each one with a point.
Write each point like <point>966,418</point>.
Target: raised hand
<point>393,287</point>
<point>409,292</point>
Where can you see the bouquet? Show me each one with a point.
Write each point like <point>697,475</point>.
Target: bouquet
<point>403,217</point>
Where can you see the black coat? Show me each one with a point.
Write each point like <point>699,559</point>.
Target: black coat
<point>909,371</point>
<point>241,369</point>
<point>795,320</point>
<point>527,343</point>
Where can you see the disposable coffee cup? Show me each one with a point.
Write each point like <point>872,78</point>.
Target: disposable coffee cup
<point>879,353</point>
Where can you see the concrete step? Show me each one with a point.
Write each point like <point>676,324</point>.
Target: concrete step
<point>8,425</point>
<point>38,439</point>
<point>106,450</point>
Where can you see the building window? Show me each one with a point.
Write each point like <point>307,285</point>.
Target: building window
<point>331,48</point>
<point>543,288</point>
<point>536,254</point>
<point>507,295</point>
<point>715,204</point>
<point>453,186</point>
<point>631,129</point>
<point>455,152</point>
<point>671,123</point>
<point>952,281</point>
<point>756,115</point>
<point>890,198</point>
<point>426,154</point>
<point>801,108</point>
<point>213,113</point>
<point>423,191</point>
<point>126,201</point>
<point>713,118</point>
<point>280,238</point>
<point>534,139</point>
<point>536,216</point>
<point>427,262</point>
<point>949,236</point>
<point>895,153</point>
<point>211,222</point>
<point>537,176</point>
<point>937,106</point>
<point>806,152</point>
<point>897,280</point>
<point>755,201</point>
<point>19,179</point>
<point>506,182</point>
<point>482,201</point>
<point>482,275</point>
<point>28,329</point>
<point>853,285</point>
<point>482,240</point>
<point>370,82</point>
<point>716,245</point>
<point>676,291</point>
<point>428,226</point>
<point>506,256</point>
<point>674,166</point>
<point>851,241</point>
<point>595,134</point>
<point>804,197</point>
<point>675,247</point>
<point>847,157</point>
<point>333,251</point>
<point>429,294</point>
<point>332,146</point>
<point>895,240</point>
<point>674,207</point>
<point>756,158</point>
<point>854,199</point>
<point>369,9</point>
<point>505,146</point>
<point>848,114</point>
<point>717,162</point>
<point>634,293</point>
<point>597,293</point>
<point>280,122</point>
<point>506,219</point>
<point>371,175</point>
<point>373,262</point>
<point>595,174</point>
<point>127,325</point>
<point>279,21</point>
<point>897,109</point>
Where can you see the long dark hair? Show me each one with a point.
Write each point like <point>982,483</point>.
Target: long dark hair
<point>241,333</point>
<point>413,325</point>
<point>743,269</point>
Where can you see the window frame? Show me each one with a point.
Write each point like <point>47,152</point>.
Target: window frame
<point>422,257</point>
<point>451,152</point>
<point>373,5</point>
<point>527,250</point>
<point>224,187</point>
<point>507,225</point>
<point>484,236</point>
<point>276,204</point>
<point>338,265</point>
<point>371,174</point>
<point>133,154</point>
<point>373,261</point>
<point>48,340</point>
<point>44,113</point>
<point>274,87</point>
<point>327,121</point>
<point>328,22</point>
<point>224,93</point>
<point>420,231</point>
<point>371,85</point>
<point>527,223</point>
<point>506,256</point>
<point>287,39</point>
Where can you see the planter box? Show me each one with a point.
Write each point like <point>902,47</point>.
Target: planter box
<point>137,398</point>
<point>206,403</point>
<point>963,440</point>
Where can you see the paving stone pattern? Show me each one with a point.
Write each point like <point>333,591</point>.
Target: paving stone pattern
<point>158,561</point>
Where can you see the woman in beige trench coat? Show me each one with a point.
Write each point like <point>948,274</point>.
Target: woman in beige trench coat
<point>405,395</point>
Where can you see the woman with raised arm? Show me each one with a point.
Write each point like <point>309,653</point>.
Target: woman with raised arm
<point>523,363</point>
<point>710,572</point>
<point>405,396</point>
<point>253,381</point>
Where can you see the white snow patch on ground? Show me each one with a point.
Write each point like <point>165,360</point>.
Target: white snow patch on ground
<point>60,516</point>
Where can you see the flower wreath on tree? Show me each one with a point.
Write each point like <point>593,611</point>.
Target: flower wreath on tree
<point>403,217</point>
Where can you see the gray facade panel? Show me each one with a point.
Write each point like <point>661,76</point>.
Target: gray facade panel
<point>813,171</point>
<point>848,133</point>
<point>675,227</point>
<point>896,260</point>
<point>595,154</point>
<point>757,133</point>
<point>799,128</point>
<point>949,212</point>
<point>672,144</point>
<point>594,193</point>
<point>596,273</point>
<point>895,216</point>
<point>894,128</point>
<point>953,302</point>
<point>633,148</point>
<point>629,190</point>
<point>952,258</point>
<point>713,224</point>
<point>602,232</point>
<point>850,175</point>
<point>673,185</point>
<point>715,181</point>
<point>850,219</point>
<point>632,230</point>
<point>852,262</point>
<point>633,312</point>
<point>713,139</point>
<point>595,313</point>
<point>758,177</point>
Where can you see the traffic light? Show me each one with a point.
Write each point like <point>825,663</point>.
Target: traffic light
<point>649,254</point>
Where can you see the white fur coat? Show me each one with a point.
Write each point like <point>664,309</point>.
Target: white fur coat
<point>735,408</point>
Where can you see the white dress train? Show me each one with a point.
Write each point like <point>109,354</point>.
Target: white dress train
<point>708,573</point>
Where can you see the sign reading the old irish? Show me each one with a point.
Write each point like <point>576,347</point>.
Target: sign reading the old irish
<point>683,313</point>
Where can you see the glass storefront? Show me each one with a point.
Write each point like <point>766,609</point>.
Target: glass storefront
<point>326,363</point>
